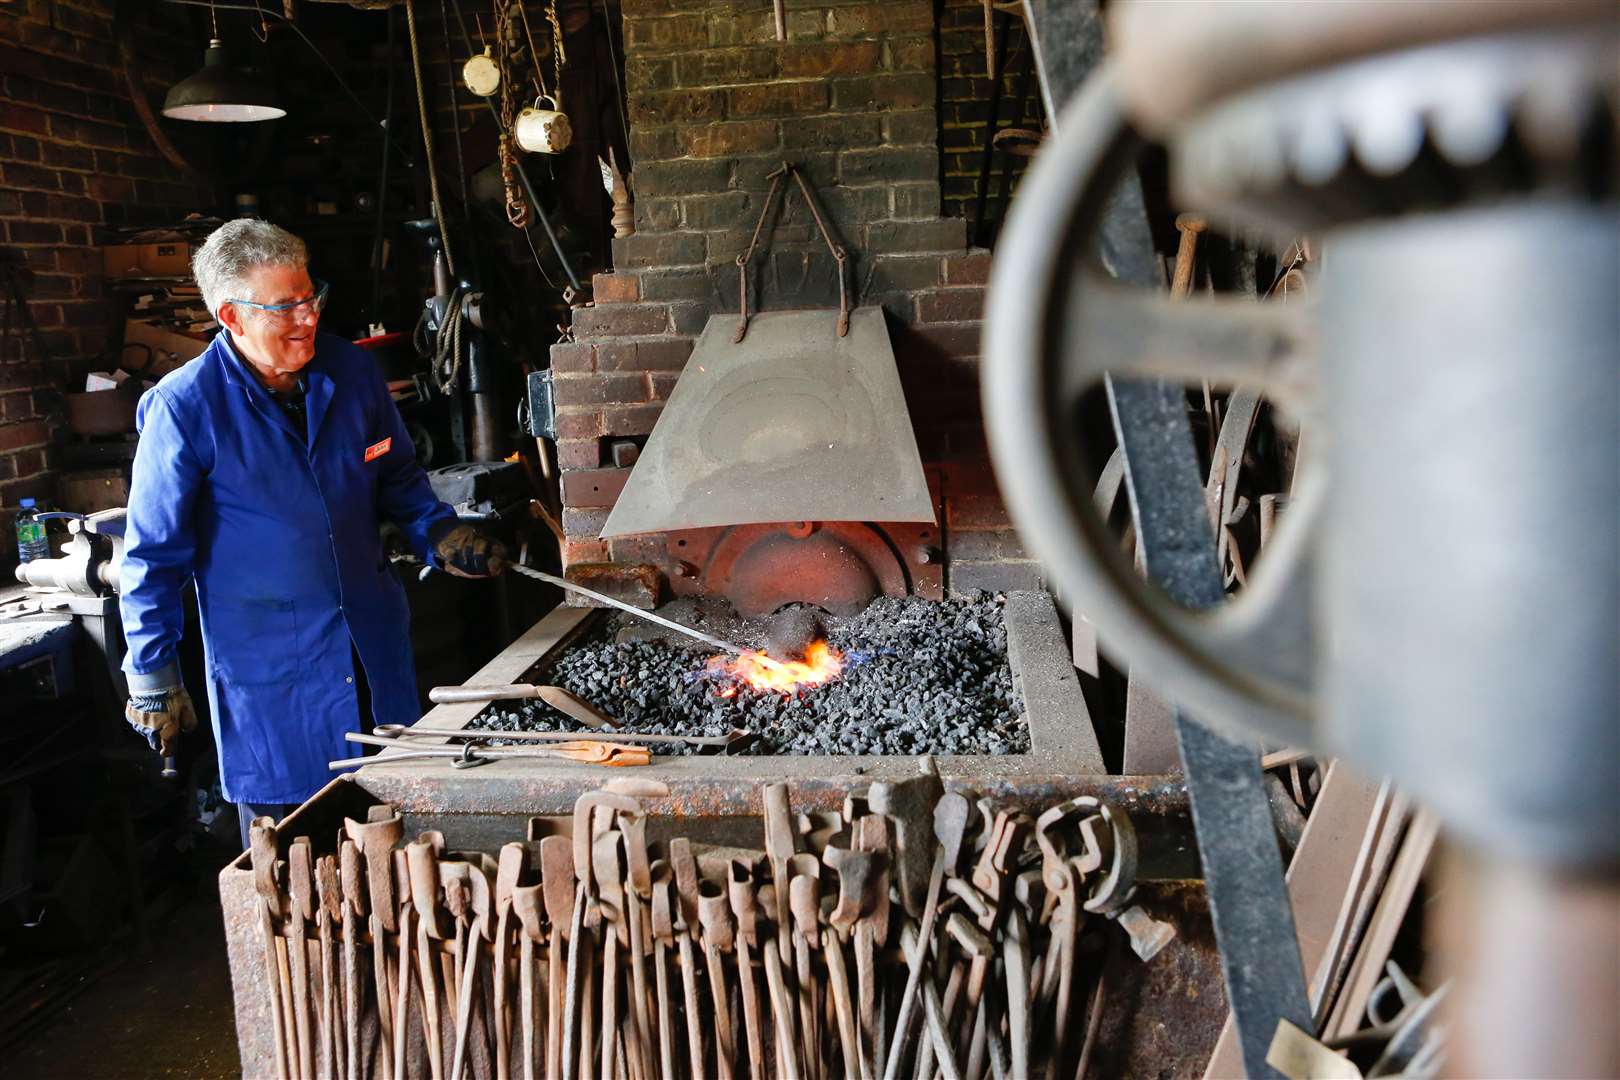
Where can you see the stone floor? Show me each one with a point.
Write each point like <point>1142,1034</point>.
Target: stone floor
<point>165,1011</point>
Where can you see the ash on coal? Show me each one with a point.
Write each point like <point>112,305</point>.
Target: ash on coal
<point>920,677</point>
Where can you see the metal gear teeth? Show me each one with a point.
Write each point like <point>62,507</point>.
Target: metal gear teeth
<point>1422,129</point>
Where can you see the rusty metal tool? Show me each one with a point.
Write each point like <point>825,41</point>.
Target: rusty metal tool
<point>399,973</point>
<point>528,906</point>
<point>350,876</point>
<point>262,848</point>
<point>684,867</point>
<point>859,876</point>
<point>586,751</point>
<point>912,943</point>
<point>608,867</point>
<point>637,895</point>
<point>558,885</point>
<point>782,1013</point>
<point>909,804</point>
<point>301,889</point>
<point>719,938</point>
<point>745,911</point>
<point>804,903</point>
<point>423,859</point>
<point>733,742</point>
<point>566,702</point>
<point>474,925</point>
<point>663,933</point>
<point>781,844</point>
<point>587,919</point>
<point>328,909</point>
<point>509,872</point>
<point>871,835</point>
<point>376,839</point>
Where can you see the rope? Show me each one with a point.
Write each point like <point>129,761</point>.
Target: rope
<point>427,136</point>
<point>447,349</point>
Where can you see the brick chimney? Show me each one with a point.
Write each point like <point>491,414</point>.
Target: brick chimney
<point>716,104</point>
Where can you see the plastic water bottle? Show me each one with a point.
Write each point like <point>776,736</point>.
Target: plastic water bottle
<point>31,542</point>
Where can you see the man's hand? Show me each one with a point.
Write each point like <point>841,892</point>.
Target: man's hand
<point>160,716</point>
<point>468,553</point>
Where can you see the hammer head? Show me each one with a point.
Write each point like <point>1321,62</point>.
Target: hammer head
<point>909,804</point>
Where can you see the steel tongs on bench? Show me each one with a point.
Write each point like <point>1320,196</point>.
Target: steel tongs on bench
<point>469,755</point>
<point>734,741</point>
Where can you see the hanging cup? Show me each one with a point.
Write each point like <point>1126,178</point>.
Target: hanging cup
<point>543,131</point>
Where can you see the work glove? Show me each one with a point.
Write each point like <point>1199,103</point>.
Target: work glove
<point>160,716</point>
<point>467,552</point>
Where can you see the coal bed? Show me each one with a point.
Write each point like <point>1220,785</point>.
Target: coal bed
<point>912,677</point>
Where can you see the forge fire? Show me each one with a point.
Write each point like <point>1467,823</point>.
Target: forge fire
<point>903,677</point>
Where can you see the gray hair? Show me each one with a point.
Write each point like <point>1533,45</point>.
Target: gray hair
<point>235,250</point>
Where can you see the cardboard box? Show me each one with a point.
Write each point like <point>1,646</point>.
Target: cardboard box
<point>169,349</point>
<point>169,258</point>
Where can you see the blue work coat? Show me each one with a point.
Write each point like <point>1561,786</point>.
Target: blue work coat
<point>279,529</point>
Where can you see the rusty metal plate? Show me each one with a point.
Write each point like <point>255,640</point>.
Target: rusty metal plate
<point>793,423</point>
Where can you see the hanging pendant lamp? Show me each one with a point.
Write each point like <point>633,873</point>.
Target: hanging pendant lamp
<point>221,92</point>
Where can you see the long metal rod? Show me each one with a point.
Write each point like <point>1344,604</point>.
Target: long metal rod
<point>669,624</point>
<point>388,734</point>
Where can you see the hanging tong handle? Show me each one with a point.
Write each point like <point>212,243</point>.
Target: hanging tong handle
<point>837,250</point>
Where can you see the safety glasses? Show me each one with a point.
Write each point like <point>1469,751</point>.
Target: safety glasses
<point>309,307</point>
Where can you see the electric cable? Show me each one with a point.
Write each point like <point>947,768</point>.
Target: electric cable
<point>382,179</point>
<point>613,65</point>
<point>295,28</point>
<point>427,138</point>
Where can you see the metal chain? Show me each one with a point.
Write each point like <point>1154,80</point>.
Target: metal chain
<point>518,211</point>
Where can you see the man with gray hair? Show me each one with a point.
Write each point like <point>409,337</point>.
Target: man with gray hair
<point>264,469</point>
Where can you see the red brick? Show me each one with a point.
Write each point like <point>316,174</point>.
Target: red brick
<point>728,139</point>
<point>972,268</point>
<point>665,354</point>
<point>778,99</point>
<point>28,433</point>
<point>584,551</point>
<point>612,320</point>
<point>20,175</point>
<point>593,487</point>
<point>951,305</point>
<point>616,288</point>
<point>580,424</point>
<point>881,18</point>
<point>976,512</point>
<point>668,32</point>
<point>598,389</point>
<point>631,419</point>
<point>15,117</point>
<point>678,107</point>
<point>578,454</point>
<point>573,357</point>
<point>16,406</point>
<point>661,385</point>
<point>29,462</point>
<point>848,58</point>
<point>582,522</point>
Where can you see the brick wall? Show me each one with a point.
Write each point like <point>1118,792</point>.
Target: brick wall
<point>73,157</point>
<point>716,103</point>
<point>967,103</point>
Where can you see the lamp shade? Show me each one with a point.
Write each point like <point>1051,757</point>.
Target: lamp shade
<point>221,92</point>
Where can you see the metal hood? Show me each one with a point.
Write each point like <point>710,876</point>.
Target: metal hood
<point>793,423</point>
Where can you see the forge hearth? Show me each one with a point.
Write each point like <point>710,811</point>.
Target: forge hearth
<point>1046,699</point>
<point>904,676</point>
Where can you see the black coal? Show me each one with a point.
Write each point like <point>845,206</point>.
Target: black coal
<point>920,677</point>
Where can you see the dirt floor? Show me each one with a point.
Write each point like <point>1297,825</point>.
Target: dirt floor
<point>165,1010</point>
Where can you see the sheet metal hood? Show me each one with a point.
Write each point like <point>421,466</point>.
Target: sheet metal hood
<point>793,423</point>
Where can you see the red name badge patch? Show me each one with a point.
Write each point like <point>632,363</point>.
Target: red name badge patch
<point>377,450</point>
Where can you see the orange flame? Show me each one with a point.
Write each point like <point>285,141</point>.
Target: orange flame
<point>822,663</point>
